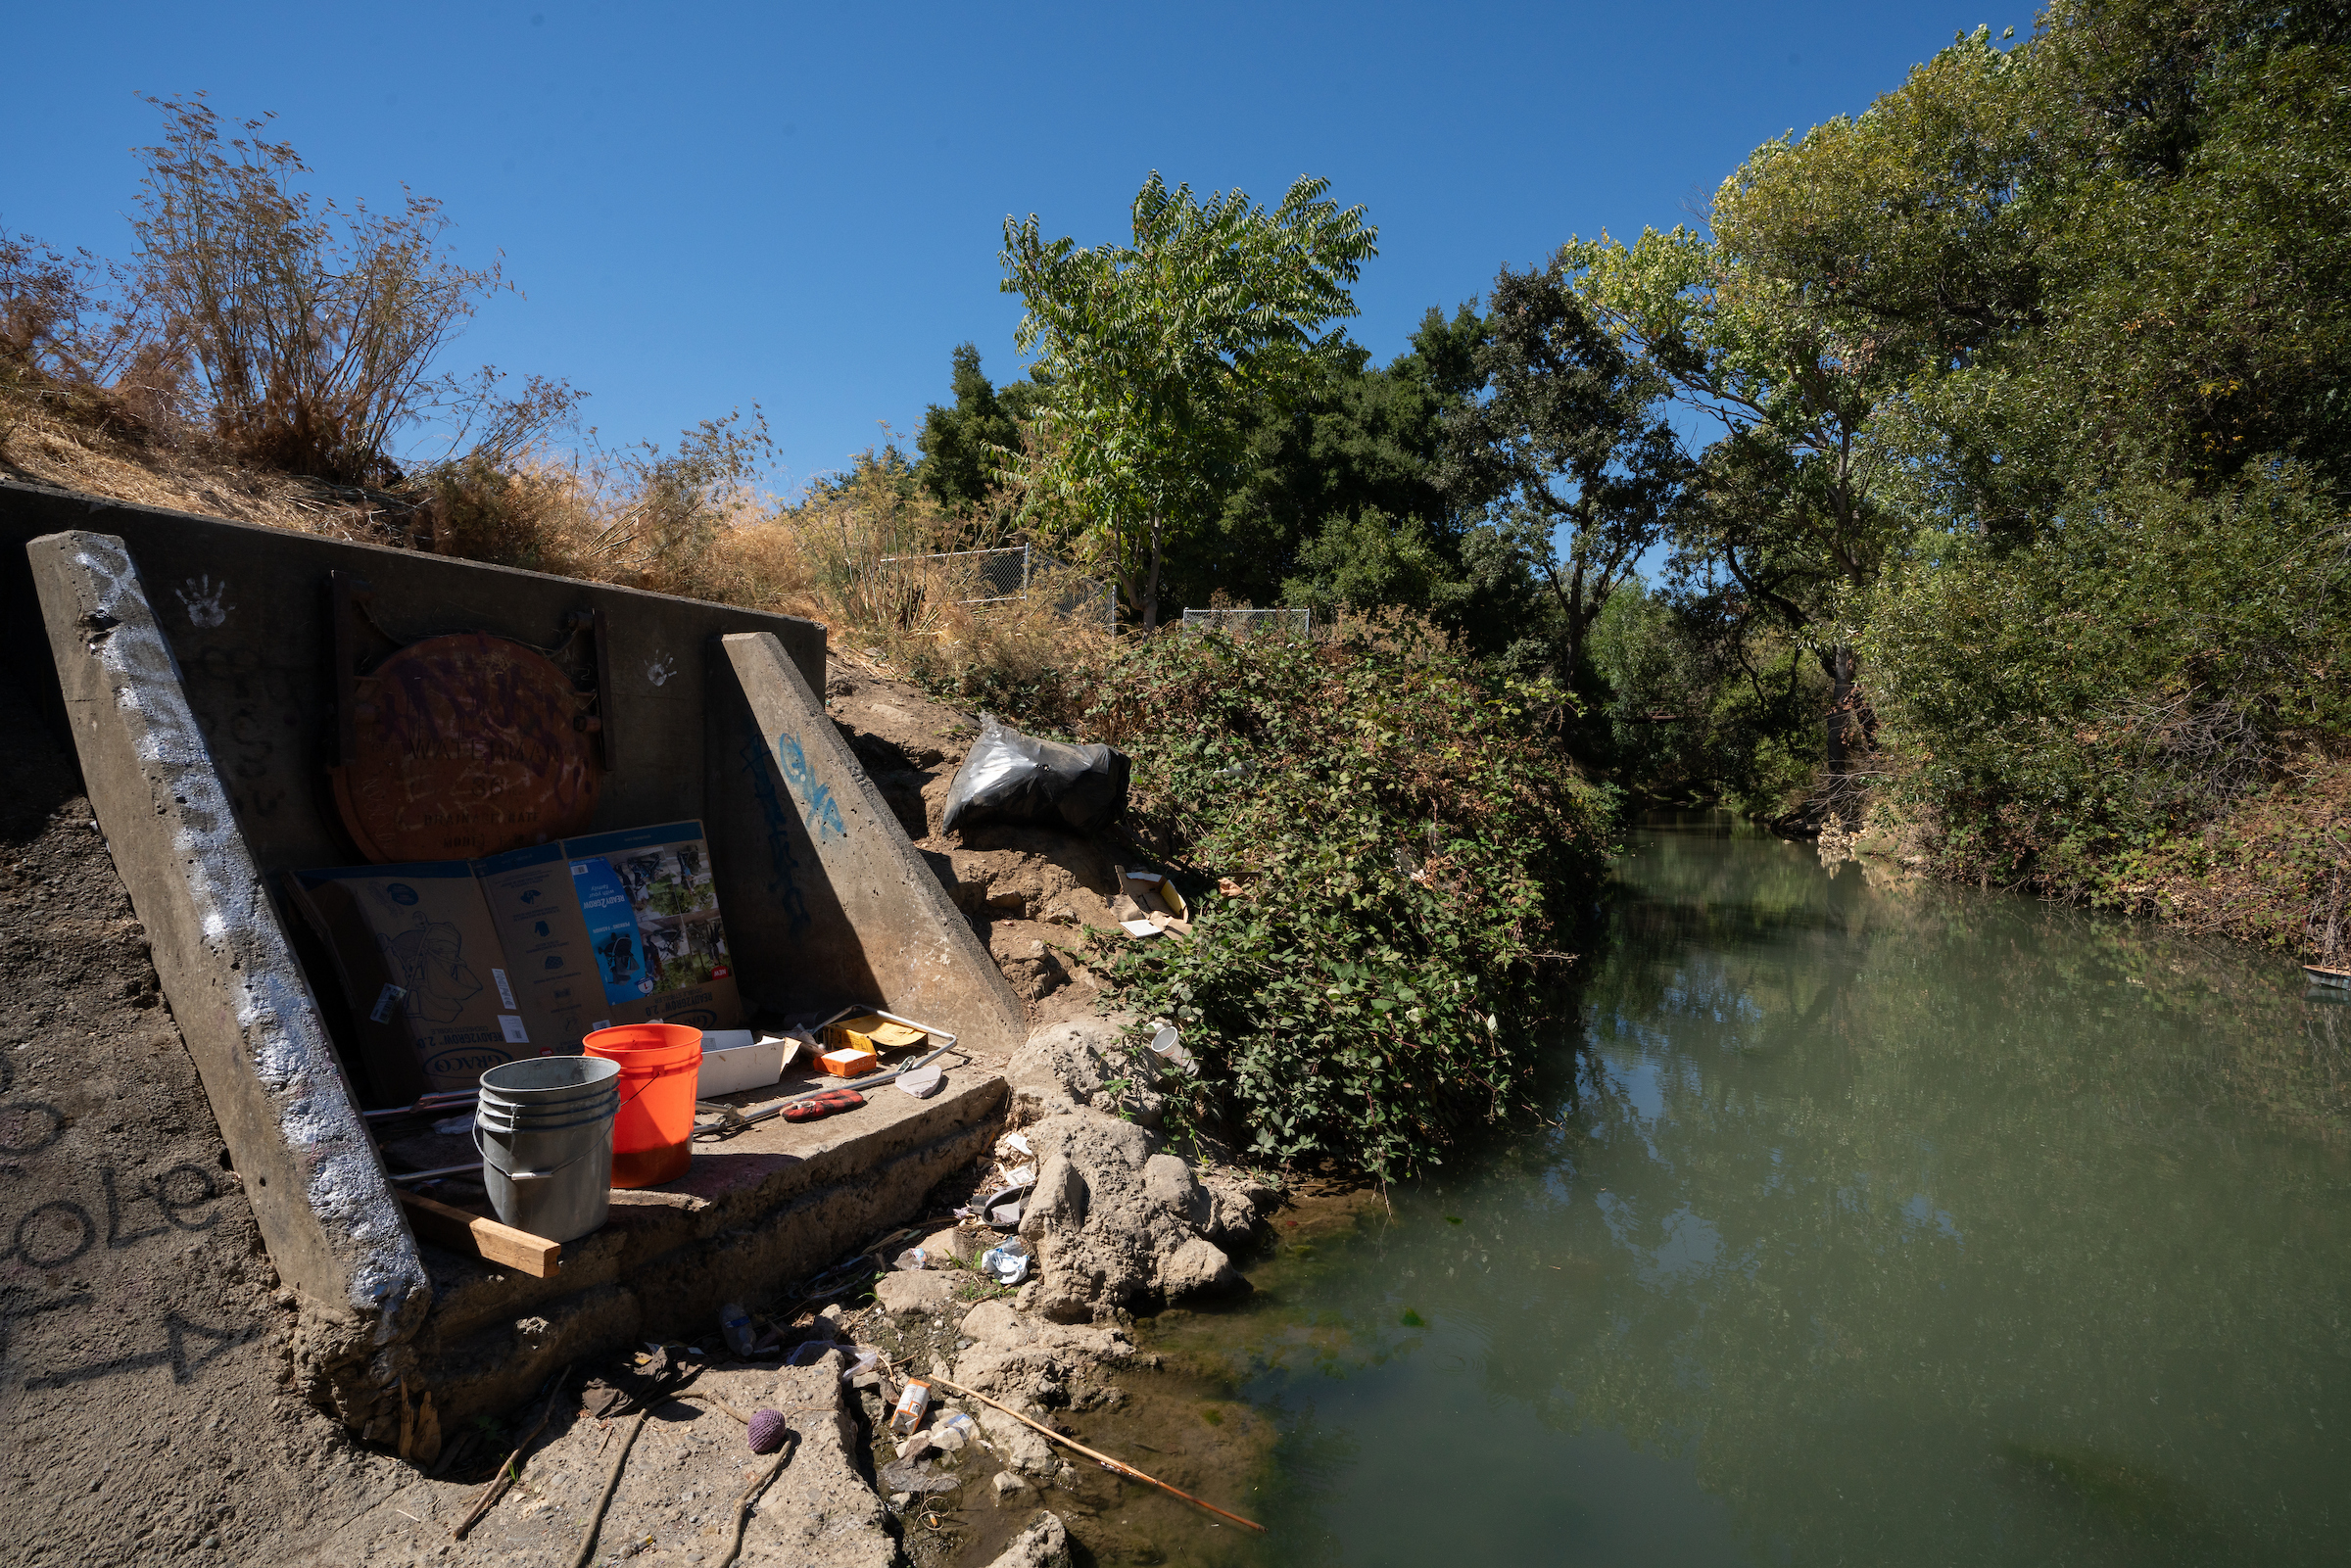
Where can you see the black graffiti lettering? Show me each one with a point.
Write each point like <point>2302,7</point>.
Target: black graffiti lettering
<point>177,1330</point>
<point>28,1229</point>
<point>115,1236</point>
<point>13,1127</point>
<point>207,1191</point>
<point>223,1341</point>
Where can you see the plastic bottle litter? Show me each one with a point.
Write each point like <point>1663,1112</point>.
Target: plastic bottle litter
<point>913,1260</point>
<point>866,1360</point>
<point>736,1324</point>
<point>1007,1264</point>
<point>957,1431</point>
<point>910,1408</point>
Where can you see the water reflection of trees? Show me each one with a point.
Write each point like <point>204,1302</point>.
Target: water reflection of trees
<point>1935,1227</point>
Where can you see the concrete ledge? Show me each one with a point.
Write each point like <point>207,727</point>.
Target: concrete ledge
<point>311,1171</point>
<point>773,1204</point>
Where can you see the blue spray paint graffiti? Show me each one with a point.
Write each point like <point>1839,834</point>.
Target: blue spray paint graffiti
<point>783,882</point>
<point>819,809</point>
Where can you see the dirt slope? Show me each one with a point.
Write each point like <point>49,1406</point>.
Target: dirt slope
<point>1027,892</point>
<point>147,1412</point>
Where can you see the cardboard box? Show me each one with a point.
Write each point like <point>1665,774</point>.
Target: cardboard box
<point>873,1033</point>
<point>545,939</point>
<point>652,921</point>
<point>848,1063</point>
<point>453,967</point>
<point>418,956</point>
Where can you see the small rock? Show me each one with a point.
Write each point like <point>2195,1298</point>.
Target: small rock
<point>905,1294</point>
<point>1043,1544</point>
<point>996,1323</point>
<point>951,1243</point>
<point>899,1499</point>
<point>1198,1268</point>
<point>1007,1484</point>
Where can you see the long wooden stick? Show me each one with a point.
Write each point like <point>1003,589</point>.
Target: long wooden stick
<point>596,1521</point>
<point>507,1472</point>
<point>1102,1460</point>
<point>750,1495</point>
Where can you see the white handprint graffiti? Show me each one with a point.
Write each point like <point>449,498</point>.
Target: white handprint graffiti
<point>202,599</point>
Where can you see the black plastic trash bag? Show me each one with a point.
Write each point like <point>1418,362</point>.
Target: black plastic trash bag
<point>1011,776</point>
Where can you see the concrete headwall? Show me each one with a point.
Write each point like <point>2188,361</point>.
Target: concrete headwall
<point>240,998</point>
<point>193,666</point>
<point>246,611</point>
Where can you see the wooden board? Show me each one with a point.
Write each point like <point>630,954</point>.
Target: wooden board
<point>460,1232</point>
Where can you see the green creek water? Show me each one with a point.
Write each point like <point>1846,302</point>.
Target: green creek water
<point>1880,1225</point>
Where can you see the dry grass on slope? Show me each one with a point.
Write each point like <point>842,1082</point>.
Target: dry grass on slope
<point>39,447</point>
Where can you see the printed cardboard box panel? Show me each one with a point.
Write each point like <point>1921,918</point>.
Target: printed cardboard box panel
<point>550,960</point>
<point>650,912</point>
<point>418,956</point>
<point>453,967</point>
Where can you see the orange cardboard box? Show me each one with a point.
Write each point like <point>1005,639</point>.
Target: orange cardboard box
<point>848,1063</point>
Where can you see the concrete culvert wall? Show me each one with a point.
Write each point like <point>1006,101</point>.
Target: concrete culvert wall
<point>191,663</point>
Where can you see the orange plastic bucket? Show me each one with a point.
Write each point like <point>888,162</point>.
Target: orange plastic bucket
<point>653,1136</point>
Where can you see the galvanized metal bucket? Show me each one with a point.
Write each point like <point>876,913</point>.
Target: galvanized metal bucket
<point>544,1126</point>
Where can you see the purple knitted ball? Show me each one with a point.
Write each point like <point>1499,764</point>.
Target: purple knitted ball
<point>767,1431</point>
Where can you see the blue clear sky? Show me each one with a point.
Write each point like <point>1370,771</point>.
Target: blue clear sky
<point>801,206</point>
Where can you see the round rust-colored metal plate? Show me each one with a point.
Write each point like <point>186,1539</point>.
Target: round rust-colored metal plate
<point>464,745</point>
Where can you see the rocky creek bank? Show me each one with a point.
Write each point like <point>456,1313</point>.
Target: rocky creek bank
<point>1116,1226</point>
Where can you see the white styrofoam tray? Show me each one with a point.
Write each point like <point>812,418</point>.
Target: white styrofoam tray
<point>735,1060</point>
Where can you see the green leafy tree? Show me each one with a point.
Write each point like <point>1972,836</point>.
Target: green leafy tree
<point>966,445</point>
<point>1348,467</point>
<point>1153,353</point>
<point>1566,437</point>
<point>2031,381</point>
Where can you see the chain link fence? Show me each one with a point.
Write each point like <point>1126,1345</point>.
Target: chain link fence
<point>1019,572</point>
<point>1251,623</point>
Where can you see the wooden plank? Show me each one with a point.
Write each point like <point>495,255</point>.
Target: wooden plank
<point>460,1232</point>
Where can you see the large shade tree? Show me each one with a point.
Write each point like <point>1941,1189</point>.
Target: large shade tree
<point>1566,447</point>
<point>1155,353</point>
